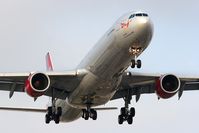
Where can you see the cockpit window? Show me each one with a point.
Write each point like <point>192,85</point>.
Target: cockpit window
<point>138,15</point>
<point>144,14</point>
<point>133,15</point>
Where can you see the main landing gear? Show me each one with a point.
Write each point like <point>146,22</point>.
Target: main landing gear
<point>126,114</point>
<point>53,113</point>
<point>89,113</point>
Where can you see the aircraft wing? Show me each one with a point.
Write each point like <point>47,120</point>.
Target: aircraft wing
<point>139,83</point>
<point>62,82</point>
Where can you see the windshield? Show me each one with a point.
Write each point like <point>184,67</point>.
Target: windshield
<point>138,15</point>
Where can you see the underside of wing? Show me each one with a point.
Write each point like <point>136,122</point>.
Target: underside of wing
<point>164,85</point>
<point>37,84</point>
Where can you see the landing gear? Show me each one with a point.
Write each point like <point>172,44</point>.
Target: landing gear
<point>126,114</point>
<point>135,52</point>
<point>53,113</point>
<point>89,113</point>
<point>135,62</point>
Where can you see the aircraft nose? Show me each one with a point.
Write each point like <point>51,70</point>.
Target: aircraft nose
<point>143,20</point>
<point>144,29</point>
<point>145,25</point>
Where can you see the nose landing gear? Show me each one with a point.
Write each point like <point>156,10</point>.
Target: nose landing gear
<point>134,62</point>
<point>137,63</point>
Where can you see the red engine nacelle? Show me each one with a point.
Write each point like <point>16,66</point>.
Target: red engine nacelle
<point>167,86</point>
<point>37,84</point>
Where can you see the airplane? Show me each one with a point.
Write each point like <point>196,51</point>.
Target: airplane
<point>100,77</point>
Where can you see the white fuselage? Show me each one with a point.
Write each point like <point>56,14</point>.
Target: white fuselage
<point>106,62</point>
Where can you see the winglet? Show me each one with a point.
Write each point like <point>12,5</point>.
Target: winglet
<point>49,65</point>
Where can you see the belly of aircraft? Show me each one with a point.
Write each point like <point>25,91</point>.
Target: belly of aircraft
<point>92,90</point>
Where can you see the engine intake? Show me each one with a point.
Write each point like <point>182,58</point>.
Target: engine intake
<point>167,86</point>
<point>37,84</point>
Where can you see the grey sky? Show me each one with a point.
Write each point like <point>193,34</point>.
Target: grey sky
<point>69,28</point>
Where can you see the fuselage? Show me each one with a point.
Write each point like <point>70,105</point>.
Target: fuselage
<point>107,61</point>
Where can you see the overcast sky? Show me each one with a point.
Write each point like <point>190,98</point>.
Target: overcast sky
<point>69,28</point>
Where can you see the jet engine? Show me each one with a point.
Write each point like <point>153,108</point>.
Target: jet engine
<point>37,84</point>
<point>167,86</point>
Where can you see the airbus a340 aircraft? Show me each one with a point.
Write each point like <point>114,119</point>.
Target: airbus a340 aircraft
<point>100,77</point>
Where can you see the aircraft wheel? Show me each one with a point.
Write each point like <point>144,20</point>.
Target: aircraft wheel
<point>59,111</point>
<point>83,113</point>
<point>57,119</point>
<point>94,114</point>
<point>139,63</point>
<point>120,119</point>
<point>130,119</point>
<point>47,119</point>
<point>123,111</point>
<point>132,111</point>
<point>49,111</point>
<point>86,115</point>
<point>133,63</point>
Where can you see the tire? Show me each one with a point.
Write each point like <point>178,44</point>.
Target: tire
<point>83,113</point>
<point>120,119</point>
<point>50,111</point>
<point>47,119</point>
<point>94,115</point>
<point>59,111</point>
<point>133,63</point>
<point>86,115</point>
<point>130,119</point>
<point>139,63</point>
<point>57,119</point>
<point>123,111</point>
<point>132,112</point>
